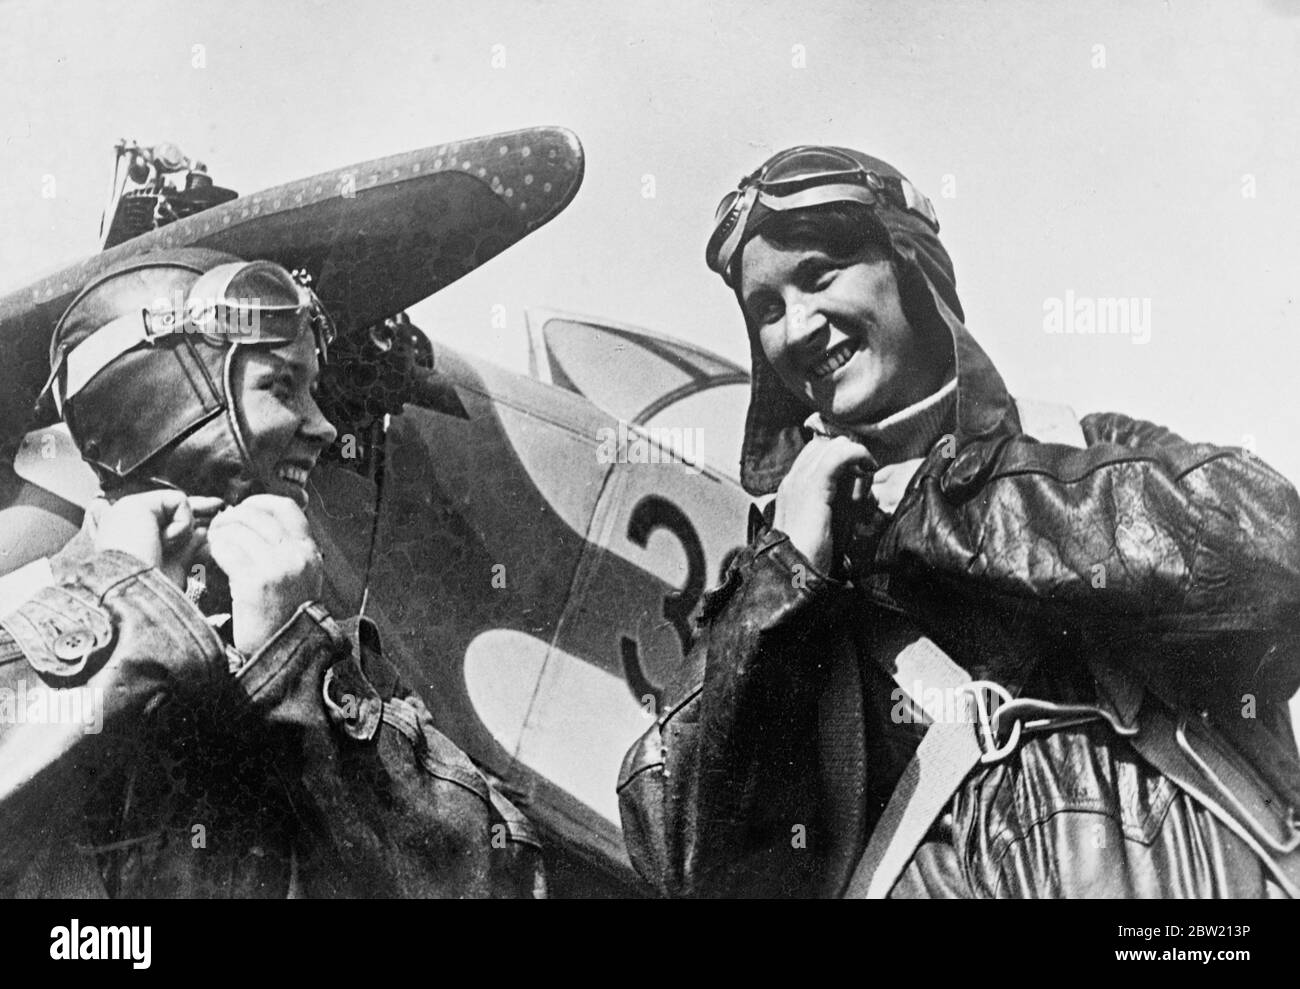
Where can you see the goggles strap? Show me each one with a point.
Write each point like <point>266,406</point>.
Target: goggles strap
<point>741,221</point>
<point>127,332</point>
<point>918,203</point>
<point>903,194</point>
<point>819,195</point>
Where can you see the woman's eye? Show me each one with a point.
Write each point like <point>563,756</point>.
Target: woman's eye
<point>821,278</point>
<point>767,313</point>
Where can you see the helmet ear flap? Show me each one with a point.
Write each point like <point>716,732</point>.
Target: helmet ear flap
<point>919,280</point>
<point>138,396</point>
<point>913,292</point>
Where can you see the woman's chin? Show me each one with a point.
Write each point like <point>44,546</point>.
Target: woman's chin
<point>854,407</point>
<point>847,399</point>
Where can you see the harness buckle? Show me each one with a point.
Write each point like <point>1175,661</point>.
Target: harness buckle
<point>986,719</point>
<point>1025,716</point>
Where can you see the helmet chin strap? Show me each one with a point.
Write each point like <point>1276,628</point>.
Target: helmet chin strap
<point>232,415</point>
<point>246,483</point>
<point>235,489</point>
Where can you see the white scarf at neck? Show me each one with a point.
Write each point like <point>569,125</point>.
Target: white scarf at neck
<point>899,442</point>
<point>905,435</point>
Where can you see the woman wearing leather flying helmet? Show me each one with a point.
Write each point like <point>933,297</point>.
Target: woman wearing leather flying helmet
<point>159,367</point>
<point>926,560</point>
<point>187,380</point>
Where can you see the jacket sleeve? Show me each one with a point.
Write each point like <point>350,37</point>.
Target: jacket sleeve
<point>716,799</point>
<point>84,661</point>
<point>397,809</point>
<point>80,661</point>
<point>1141,532</point>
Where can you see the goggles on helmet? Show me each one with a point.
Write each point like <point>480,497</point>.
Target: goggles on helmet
<point>251,302</point>
<point>797,179</point>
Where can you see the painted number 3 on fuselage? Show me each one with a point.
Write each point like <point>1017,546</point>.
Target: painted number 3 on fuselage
<point>651,513</point>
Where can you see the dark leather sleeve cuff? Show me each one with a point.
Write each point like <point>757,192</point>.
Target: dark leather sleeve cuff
<point>787,582</point>
<point>310,635</point>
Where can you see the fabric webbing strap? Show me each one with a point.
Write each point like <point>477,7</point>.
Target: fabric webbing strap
<point>950,748</point>
<point>945,757</point>
<point>1189,755</point>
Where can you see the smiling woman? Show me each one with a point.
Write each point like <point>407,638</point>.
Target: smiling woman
<point>832,326</point>
<point>283,428</point>
<point>1002,566</point>
<point>157,393</point>
<point>288,734</point>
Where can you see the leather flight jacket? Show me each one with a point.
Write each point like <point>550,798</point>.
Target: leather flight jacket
<point>1142,573</point>
<point>141,757</point>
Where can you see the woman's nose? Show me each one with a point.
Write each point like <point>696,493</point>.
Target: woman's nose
<point>803,321</point>
<point>316,427</point>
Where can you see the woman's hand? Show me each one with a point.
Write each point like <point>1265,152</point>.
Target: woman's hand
<point>265,547</point>
<point>815,501</point>
<point>164,528</point>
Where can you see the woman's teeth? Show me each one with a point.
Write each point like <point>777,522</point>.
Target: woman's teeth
<point>837,358</point>
<point>294,475</point>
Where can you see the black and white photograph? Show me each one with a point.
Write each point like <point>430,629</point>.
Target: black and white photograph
<point>556,450</point>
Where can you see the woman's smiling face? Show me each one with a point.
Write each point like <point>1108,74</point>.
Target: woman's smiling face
<point>274,394</point>
<point>834,330</point>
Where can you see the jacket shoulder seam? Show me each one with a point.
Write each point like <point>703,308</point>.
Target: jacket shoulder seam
<point>1108,462</point>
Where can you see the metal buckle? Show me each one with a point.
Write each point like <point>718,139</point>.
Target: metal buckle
<point>1039,715</point>
<point>159,323</point>
<point>1026,716</point>
<point>986,729</point>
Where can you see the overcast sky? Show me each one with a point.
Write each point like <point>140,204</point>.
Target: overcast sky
<point>1143,150</point>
